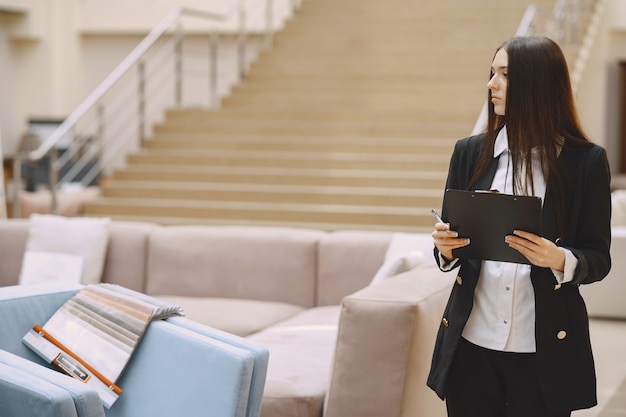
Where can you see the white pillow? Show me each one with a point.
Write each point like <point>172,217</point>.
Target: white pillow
<point>397,265</point>
<point>86,238</point>
<point>46,267</point>
<point>405,252</point>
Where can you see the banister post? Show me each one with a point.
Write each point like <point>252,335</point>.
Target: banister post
<point>269,22</point>
<point>213,100</point>
<point>16,211</point>
<point>241,42</point>
<point>53,174</point>
<point>178,65</point>
<point>100,137</point>
<point>141,99</point>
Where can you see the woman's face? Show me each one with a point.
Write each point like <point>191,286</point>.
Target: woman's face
<point>499,81</point>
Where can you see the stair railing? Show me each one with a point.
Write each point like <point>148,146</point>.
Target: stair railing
<point>3,199</point>
<point>571,24</point>
<point>115,116</point>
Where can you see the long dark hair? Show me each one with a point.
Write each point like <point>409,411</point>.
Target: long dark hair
<point>540,112</point>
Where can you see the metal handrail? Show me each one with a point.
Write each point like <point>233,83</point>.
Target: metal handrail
<point>133,57</point>
<point>558,27</point>
<point>48,147</point>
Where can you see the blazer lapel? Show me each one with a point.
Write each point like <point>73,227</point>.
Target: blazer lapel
<point>485,181</point>
<point>547,224</point>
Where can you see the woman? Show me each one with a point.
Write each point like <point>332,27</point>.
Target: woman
<point>514,339</point>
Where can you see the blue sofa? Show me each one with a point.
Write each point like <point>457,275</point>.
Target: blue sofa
<point>180,368</point>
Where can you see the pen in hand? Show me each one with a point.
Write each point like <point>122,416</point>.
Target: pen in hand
<point>436,216</point>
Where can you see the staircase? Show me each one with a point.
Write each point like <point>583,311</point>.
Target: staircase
<point>347,122</point>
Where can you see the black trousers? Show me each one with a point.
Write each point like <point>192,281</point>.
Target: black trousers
<point>488,383</point>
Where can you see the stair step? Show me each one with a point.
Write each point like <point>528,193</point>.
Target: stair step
<point>315,140</point>
<point>284,212</point>
<point>336,177</point>
<point>230,115</point>
<point>287,124</point>
<point>270,85</point>
<point>347,122</point>
<point>305,129</point>
<point>302,144</point>
<point>258,127</point>
<point>276,193</point>
<point>293,159</point>
<point>338,99</point>
<point>456,128</point>
<point>440,115</point>
<point>392,120</point>
<point>206,221</point>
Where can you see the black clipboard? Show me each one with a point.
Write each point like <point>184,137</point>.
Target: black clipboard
<point>486,217</point>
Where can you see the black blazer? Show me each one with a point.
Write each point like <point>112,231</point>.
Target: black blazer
<point>564,358</point>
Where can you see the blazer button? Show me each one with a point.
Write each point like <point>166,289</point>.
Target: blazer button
<point>561,335</point>
<point>459,280</point>
<point>445,322</point>
<point>557,287</point>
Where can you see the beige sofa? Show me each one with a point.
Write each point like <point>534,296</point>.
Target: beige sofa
<point>339,346</point>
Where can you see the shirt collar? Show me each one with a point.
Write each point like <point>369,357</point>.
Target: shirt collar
<point>501,144</point>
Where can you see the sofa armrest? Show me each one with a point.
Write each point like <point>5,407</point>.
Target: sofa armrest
<point>384,346</point>
<point>13,237</point>
<point>173,370</point>
<point>22,306</point>
<point>31,382</point>
<point>23,394</point>
<point>260,355</point>
<point>177,370</point>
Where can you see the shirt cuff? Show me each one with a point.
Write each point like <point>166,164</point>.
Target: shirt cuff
<point>446,264</point>
<point>567,275</point>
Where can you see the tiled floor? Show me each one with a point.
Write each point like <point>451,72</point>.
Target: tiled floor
<point>608,339</point>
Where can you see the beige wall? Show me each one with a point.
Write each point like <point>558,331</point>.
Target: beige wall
<point>123,16</point>
<point>40,40</point>
<point>8,86</point>
<point>54,52</point>
<point>598,99</point>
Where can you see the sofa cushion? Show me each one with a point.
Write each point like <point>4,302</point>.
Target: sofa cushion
<point>236,316</point>
<point>262,263</point>
<point>14,234</point>
<point>348,261</point>
<point>127,254</point>
<point>301,350</point>
<point>85,238</point>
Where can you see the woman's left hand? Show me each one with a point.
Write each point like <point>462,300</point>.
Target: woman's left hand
<point>538,250</point>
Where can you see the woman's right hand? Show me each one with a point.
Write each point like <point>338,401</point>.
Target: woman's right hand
<point>446,240</point>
